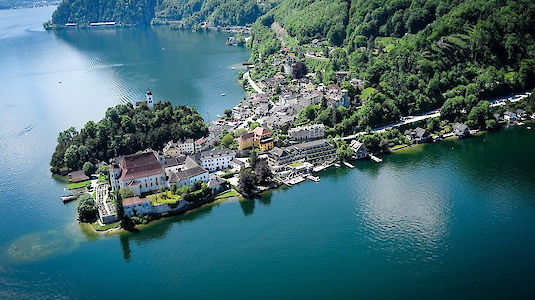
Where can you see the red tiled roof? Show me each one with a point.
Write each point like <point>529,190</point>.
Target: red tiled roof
<point>134,200</point>
<point>245,137</point>
<point>140,165</point>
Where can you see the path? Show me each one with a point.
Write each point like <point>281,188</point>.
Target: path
<point>316,57</point>
<point>252,83</point>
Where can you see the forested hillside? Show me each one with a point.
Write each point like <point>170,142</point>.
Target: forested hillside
<point>142,12</point>
<point>415,54</point>
<point>125,130</point>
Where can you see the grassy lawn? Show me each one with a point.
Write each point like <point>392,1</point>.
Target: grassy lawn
<point>387,42</point>
<point>78,185</point>
<point>164,198</point>
<point>397,147</point>
<point>367,92</point>
<point>99,227</point>
<point>227,194</point>
<point>295,164</point>
<point>102,179</point>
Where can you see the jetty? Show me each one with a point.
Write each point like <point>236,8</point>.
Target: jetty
<point>375,158</point>
<point>294,181</point>
<point>348,165</point>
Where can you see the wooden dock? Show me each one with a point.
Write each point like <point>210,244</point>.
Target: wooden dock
<point>348,165</point>
<point>375,159</point>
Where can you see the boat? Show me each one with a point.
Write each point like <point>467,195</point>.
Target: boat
<point>68,198</point>
<point>520,123</point>
<point>348,165</point>
<point>233,68</point>
<point>528,128</point>
<point>337,165</point>
<point>222,94</point>
<point>313,178</point>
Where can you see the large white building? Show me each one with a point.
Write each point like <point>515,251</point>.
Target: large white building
<point>143,172</point>
<point>190,173</point>
<point>172,149</point>
<point>316,131</point>
<point>217,159</point>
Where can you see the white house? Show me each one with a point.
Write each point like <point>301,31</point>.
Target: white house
<point>172,149</point>
<point>217,159</point>
<point>174,164</point>
<point>315,131</point>
<point>360,151</point>
<point>143,172</point>
<point>189,173</point>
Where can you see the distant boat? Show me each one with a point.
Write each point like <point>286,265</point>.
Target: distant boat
<point>529,128</point>
<point>222,94</point>
<point>337,165</point>
<point>520,123</point>
<point>232,68</point>
<point>28,128</point>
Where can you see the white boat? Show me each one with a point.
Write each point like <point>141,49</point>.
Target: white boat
<point>337,165</point>
<point>520,123</point>
<point>68,198</point>
<point>222,94</point>
<point>232,68</point>
<point>528,128</point>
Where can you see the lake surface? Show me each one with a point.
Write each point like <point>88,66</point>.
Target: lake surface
<point>454,219</point>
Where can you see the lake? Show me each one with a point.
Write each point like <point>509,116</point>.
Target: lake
<point>454,219</point>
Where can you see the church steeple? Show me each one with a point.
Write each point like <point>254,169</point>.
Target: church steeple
<point>150,100</point>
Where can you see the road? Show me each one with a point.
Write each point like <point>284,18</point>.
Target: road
<point>436,113</point>
<point>252,83</point>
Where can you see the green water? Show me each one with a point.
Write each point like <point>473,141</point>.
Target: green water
<point>449,220</point>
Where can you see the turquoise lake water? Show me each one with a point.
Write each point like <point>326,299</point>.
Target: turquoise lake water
<point>449,220</point>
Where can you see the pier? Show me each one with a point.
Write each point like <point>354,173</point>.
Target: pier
<point>348,165</point>
<point>375,158</point>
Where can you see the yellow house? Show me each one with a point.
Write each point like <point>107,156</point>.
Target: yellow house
<point>266,144</point>
<point>262,138</point>
<point>245,141</point>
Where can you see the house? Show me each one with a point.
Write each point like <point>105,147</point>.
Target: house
<point>172,149</point>
<point>78,176</point>
<point>144,172</point>
<point>360,151</point>
<point>509,116</point>
<point>498,117</point>
<point>174,164</point>
<point>336,98</point>
<point>200,144</point>
<point>287,98</point>
<point>246,140</point>
<point>149,101</point>
<point>461,130</point>
<point>277,121</point>
<point>239,164</point>
<point>316,152</point>
<point>418,135</point>
<point>310,97</point>
<point>307,132</point>
<point>280,157</point>
<point>216,184</point>
<point>189,176</point>
<point>135,205</point>
<point>217,159</point>
<point>520,113</point>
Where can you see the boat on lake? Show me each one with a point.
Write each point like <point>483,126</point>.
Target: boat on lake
<point>68,198</point>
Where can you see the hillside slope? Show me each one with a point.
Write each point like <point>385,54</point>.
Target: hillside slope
<point>416,53</point>
<point>142,12</point>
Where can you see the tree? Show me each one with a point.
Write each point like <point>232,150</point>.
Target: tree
<point>227,140</point>
<point>88,168</point>
<point>104,170</point>
<point>228,112</point>
<point>126,192</point>
<point>299,70</point>
<point>87,209</point>
<point>119,208</point>
<point>263,172</point>
<point>71,157</point>
<point>253,159</point>
<point>246,183</point>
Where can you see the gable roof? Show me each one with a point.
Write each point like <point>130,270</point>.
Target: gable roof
<point>216,153</point>
<point>78,176</point>
<point>140,165</point>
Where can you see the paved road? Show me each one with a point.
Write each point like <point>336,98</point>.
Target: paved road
<point>252,83</point>
<point>436,113</point>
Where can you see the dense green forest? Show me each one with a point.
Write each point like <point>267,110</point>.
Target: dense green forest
<point>414,54</point>
<point>126,130</point>
<point>189,13</point>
